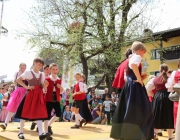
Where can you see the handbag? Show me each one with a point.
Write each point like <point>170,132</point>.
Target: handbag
<point>174,96</point>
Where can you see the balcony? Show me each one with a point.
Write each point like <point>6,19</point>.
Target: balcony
<point>172,53</point>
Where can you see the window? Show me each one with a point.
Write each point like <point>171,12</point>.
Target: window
<point>155,54</point>
<point>156,73</point>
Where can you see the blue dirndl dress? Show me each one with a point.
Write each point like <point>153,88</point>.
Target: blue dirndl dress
<point>133,118</point>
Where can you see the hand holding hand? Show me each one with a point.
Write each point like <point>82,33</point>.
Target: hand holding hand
<point>30,87</point>
<point>46,83</point>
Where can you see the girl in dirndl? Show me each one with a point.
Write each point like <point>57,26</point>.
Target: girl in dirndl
<point>173,79</point>
<point>32,106</point>
<point>4,111</point>
<point>161,105</point>
<point>133,119</point>
<point>16,96</point>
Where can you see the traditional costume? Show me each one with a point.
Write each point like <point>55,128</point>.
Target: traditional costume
<point>14,101</point>
<point>171,81</point>
<point>16,96</point>
<point>84,110</point>
<point>161,105</point>
<point>52,98</point>
<point>133,115</point>
<point>78,102</point>
<point>119,81</point>
<point>32,106</point>
<point>4,112</point>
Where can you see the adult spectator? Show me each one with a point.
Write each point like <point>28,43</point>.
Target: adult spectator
<point>106,93</point>
<point>91,98</point>
<point>113,95</point>
<point>98,115</point>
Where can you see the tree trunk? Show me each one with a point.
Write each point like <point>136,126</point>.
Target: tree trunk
<point>85,66</point>
<point>109,81</point>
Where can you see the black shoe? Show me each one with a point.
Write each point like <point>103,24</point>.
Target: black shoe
<point>75,127</point>
<point>33,125</point>
<point>37,130</point>
<point>21,136</point>
<point>82,121</point>
<point>50,130</point>
<point>3,126</point>
<point>18,127</point>
<point>44,136</point>
<point>159,134</point>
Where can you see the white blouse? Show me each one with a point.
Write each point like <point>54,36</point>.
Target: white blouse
<point>28,75</point>
<point>170,81</point>
<point>134,59</point>
<point>150,85</point>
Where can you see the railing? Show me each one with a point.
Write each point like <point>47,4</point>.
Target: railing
<point>172,53</point>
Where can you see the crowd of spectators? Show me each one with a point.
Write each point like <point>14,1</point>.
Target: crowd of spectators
<point>101,106</point>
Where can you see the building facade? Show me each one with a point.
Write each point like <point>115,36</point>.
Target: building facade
<point>164,48</point>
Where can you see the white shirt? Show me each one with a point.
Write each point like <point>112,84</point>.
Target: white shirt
<point>84,88</point>
<point>28,75</point>
<point>107,105</point>
<point>16,75</point>
<point>150,85</point>
<point>170,81</point>
<point>81,86</point>
<point>113,96</point>
<point>54,79</point>
<point>134,59</point>
<point>6,95</point>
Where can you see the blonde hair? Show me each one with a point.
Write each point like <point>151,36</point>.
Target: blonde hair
<point>137,46</point>
<point>78,74</point>
<point>150,77</point>
<point>84,77</point>
<point>52,65</point>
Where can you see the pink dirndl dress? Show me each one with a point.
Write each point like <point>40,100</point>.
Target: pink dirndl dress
<point>4,111</point>
<point>15,99</point>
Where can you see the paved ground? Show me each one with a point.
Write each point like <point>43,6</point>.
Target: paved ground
<point>62,131</point>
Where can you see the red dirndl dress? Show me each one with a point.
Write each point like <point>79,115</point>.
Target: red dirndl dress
<point>33,106</point>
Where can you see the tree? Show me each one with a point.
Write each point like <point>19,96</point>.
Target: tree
<point>84,29</point>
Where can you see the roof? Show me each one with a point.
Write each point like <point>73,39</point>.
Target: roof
<point>165,35</point>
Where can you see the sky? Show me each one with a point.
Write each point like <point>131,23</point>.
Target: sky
<point>14,51</point>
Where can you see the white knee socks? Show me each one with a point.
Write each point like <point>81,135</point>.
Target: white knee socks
<point>21,125</point>
<point>53,119</point>
<point>39,125</point>
<point>8,117</point>
<point>46,126</point>
<point>77,119</point>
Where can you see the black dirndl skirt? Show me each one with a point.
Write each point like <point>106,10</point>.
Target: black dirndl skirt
<point>162,111</point>
<point>85,112</point>
<point>133,118</point>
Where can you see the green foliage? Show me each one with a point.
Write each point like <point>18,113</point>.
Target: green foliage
<point>90,32</point>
